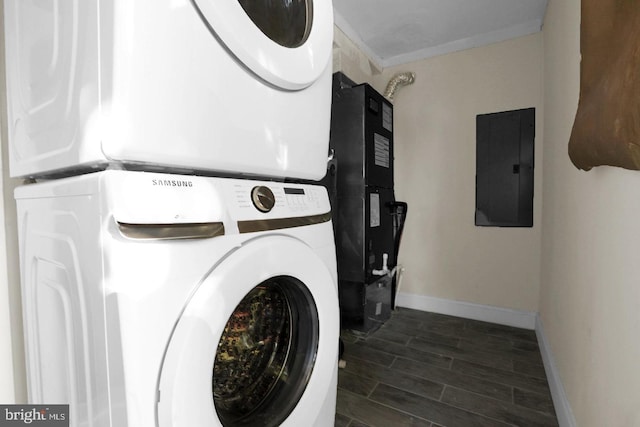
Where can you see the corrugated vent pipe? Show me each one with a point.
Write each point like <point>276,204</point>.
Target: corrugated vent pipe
<point>400,79</point>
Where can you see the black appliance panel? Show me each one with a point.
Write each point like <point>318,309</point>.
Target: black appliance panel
<point>362,135</point>
<point>379,230</point>
<point>365,233</point>
<point>365,307</point>
<point>378,124</point>
<point>367,219</point>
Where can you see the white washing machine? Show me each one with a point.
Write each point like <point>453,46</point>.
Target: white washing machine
<point>222,86</point>
<point>179,301</point>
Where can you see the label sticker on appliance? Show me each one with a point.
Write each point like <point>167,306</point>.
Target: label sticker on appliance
<point>374,210</point>
<point>387,117</point>
<point>382,151</point>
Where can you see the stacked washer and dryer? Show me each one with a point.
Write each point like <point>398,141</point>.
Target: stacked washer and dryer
<point>172,273</point>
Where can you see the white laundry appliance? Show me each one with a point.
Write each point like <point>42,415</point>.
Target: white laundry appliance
<point>237,87</point>
<point>179,301</point>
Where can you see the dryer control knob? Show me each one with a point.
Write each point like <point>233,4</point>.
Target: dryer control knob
<point>263,198</point>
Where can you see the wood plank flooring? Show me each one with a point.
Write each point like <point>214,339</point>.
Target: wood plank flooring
<point>432,370</point>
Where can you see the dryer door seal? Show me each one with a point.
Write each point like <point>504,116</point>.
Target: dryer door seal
<point>291,61</point>
<point>199,347</point>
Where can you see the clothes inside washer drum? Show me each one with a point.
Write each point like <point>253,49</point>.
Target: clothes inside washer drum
<point>252,351</point>
<point>262,364</point>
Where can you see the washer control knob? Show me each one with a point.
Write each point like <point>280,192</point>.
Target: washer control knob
<point>263,198</point>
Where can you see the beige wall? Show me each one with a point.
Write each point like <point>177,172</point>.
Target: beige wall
<point>350,60</point>
<point>590,299</point>
<point>444,254</point>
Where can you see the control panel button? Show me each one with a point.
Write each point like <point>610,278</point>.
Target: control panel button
<point>263,198</point>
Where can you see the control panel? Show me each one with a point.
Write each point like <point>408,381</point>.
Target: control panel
<point>279,199</point>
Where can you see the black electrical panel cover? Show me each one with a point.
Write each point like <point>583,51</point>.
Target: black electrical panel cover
<point>504,168</point>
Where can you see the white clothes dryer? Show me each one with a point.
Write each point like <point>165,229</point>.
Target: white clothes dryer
<point>179,301</point>
<point>220,86</point>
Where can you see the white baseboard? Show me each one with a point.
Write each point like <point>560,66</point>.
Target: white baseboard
<point>502,316</point>
<point>468,310</point>
<point>560,401</point>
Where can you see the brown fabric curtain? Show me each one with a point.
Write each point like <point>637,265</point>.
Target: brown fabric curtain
<point>606,130</point>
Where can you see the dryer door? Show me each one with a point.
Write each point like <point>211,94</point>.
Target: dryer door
<point>257,343</point>
<point>286,42</point>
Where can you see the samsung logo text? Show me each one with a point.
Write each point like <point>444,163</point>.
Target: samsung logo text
<point>171,183</point>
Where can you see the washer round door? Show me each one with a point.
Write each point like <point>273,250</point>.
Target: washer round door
<point>286,42</point>
<point>257,343</point>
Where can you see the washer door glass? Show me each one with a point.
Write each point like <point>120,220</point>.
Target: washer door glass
<point>266,354</point>
<point>287,43</point>
<point>256,343</point>
<point>286,22</point>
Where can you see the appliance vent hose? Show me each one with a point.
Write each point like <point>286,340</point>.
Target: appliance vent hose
<point>401,79</point>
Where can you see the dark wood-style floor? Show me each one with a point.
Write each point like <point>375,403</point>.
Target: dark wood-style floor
<point>426,369</point>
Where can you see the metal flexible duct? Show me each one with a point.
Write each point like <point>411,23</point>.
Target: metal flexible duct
<point>400,79</point>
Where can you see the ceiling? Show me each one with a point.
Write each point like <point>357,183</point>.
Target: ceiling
<point>394,32</point>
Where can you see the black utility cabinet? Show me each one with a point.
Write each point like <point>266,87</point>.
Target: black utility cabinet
<point>363,203</point>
